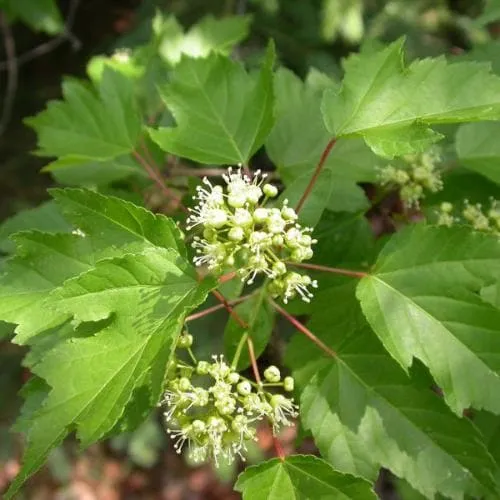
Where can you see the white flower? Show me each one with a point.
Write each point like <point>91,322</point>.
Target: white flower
<point>258,241</point>
<point>220,421</point>
<point>283,409</point>
<point>297,284</point>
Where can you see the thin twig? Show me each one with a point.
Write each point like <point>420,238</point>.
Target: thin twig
<point>253,360</point>
<point>155,176</point>
<point>217,307</point>
<point>297,324</point>
<point>12,73</point>
<point>227,277</point>
<point>45,48</point>
<point>327,269</point>
<point>196,172</point>
<point>229,309</point>
<point>317,171</point>
<point>244,325</point>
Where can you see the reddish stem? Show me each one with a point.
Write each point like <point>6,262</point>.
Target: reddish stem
<point>253,360</point>
<point>297,324</point>
<point>317,171</point>
<point>229,309</point>
<point>335,270</point>
<point>155,176</point>
<point>244,325</point>
<point>279,449</point>
<point>227,277</point>
<point>217,307</point>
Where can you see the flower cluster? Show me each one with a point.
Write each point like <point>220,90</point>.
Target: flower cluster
<point>418,175</point>
<point>239,231</point>
<point>472,214</point>
<point>217,415</point>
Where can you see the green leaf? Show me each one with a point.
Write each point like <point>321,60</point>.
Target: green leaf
<point>259,316</point>
<point>300,477</point>
<point>490,13</point>
<point>80,172</point>
<point>223,114</point>
<point>344,240</point>
<point>393,106</point>
<point>42,263</point>
<point>478,149</point>
<point>45,217</point>
<point>92,379</point>
<point>401,422</point>
<point>40,15</point>
<point>205,37</point>
<point>86,126</point>
<point>485,52</point>
<point>107,227</point>
<point>296,149</point>
<point>423,301</point>
<point>317,199</point>
<point>118,223</point>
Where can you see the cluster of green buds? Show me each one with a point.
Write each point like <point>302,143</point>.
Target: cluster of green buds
<point>473,215</point>
<point>240,231</point>
<point>418,175</point>
<point>215,410</point>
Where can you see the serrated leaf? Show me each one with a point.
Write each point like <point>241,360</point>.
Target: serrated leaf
<point>300,477</point>
<point>296,149</point>
<point>43,262</point>
<point>403,425</point>
<point>423,301</point>
<point>393,106</point>
<point>108,227</point>
<point>207,36</point>
<point>223,114</point>
<point>89,126</point>
<point>478,149</point>
<point>44,217</point>
<point>92,379</point>
<point>259,316</point>
<point>117,223</point>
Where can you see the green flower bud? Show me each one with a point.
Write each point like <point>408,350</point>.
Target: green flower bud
<point>288,384</point>
<point>279,268</point>
<point>270,191</point>
<point>237,199</point>
<point>242,218</point>
<point>272,374</point>
<point>446,207</point>
<point>288,213</point>
<point>185,341</point>
<point>233,377</point>
<point>184,384</point>
<point>254,194</point>
<point>202,367</point>
<point>260,215</point>
<point>278,240</point>
<point>198,427</point>
<point>244,388</point>
<point>236,234</point>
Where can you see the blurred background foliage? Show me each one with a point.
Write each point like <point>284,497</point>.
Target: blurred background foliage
<point>44,40</point>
